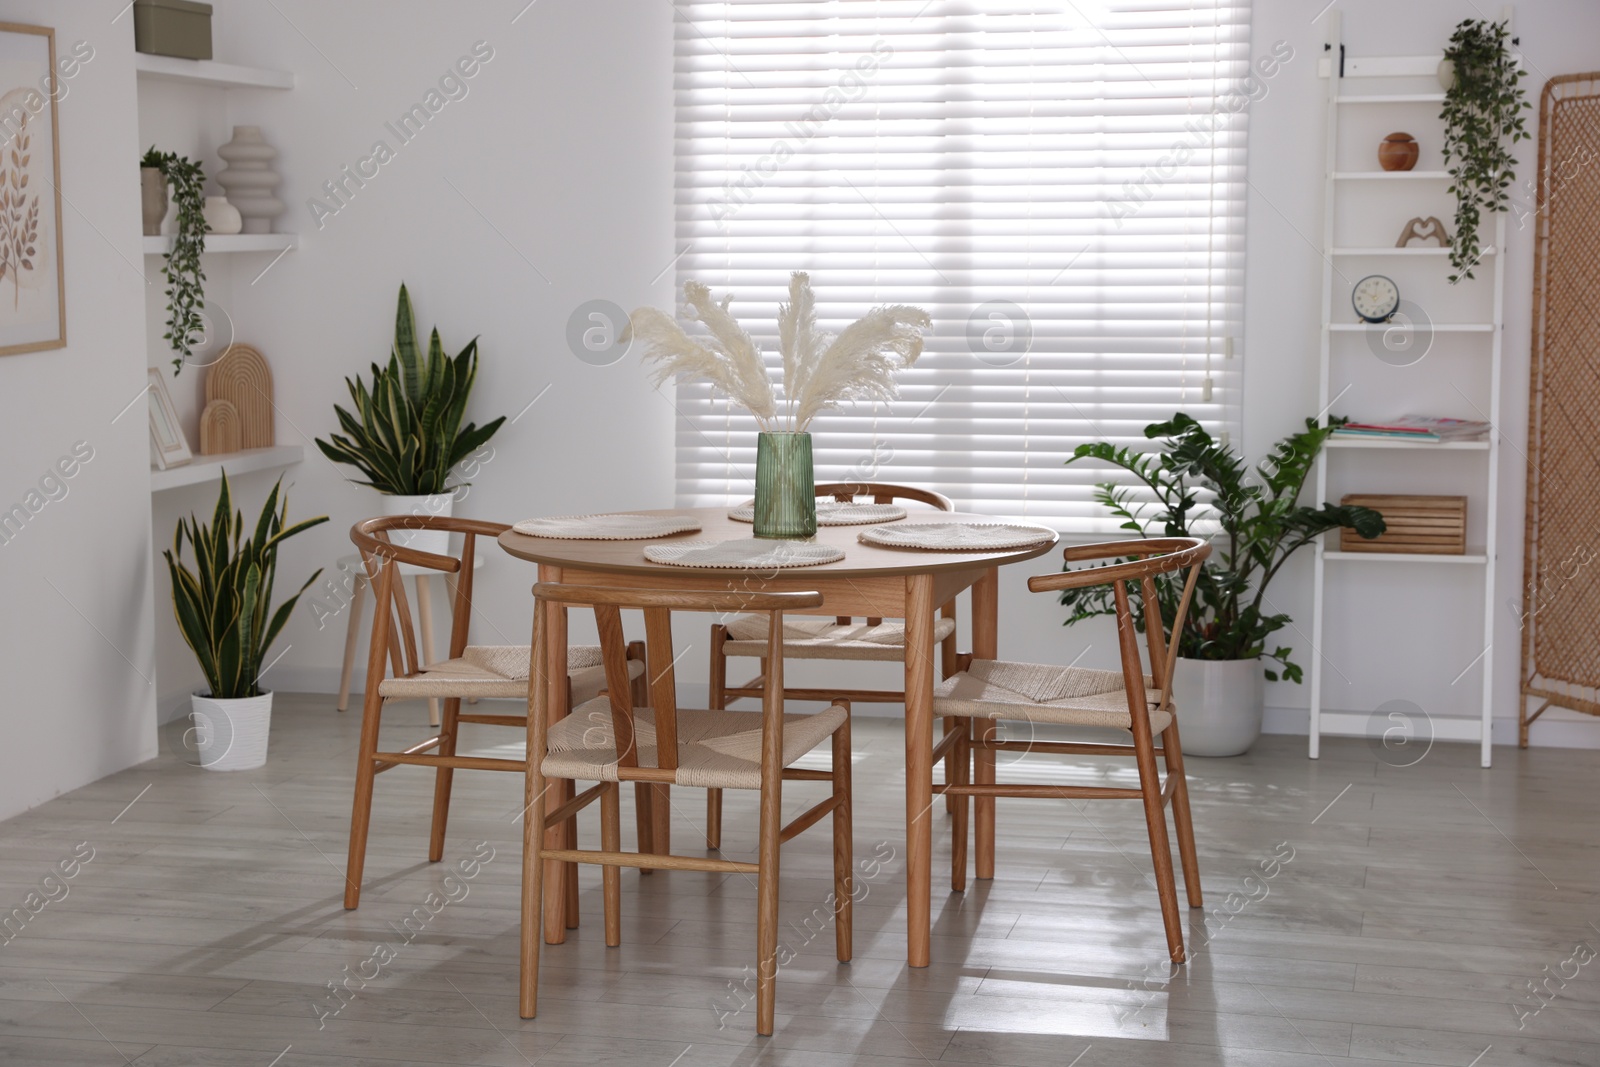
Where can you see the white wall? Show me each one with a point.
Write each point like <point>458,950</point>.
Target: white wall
<point>549,184</point>
<point>76,649</point>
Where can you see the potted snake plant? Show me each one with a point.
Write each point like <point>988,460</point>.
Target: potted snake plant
<point>405,434</point>
<point>224,611</point>
<point>1198,487</point>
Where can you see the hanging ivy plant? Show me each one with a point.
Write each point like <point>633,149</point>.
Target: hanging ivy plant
<point>1482,120</point>
<point>181,264</point>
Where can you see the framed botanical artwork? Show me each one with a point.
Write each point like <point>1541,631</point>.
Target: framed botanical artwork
<point>168,447</point>
<point>33,309</point>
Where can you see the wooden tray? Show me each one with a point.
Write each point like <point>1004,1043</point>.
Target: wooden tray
<point>1425,525</point>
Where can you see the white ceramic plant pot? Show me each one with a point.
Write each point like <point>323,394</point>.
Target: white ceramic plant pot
<point>230,735</point>
<point>1219,704</point>
<point>438,505</point>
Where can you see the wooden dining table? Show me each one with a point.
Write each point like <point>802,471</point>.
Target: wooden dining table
<point>870,581</point>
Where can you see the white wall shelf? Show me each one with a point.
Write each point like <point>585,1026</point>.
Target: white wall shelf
<point>1341,70</point>
<point>1403,445</point>
<point>210,73</point>
<point>1393,98</point>
<point>231,242</point>
<point>1422,250</point>
<point>1436,327</point>
<point>1473,557</point>
<point>205,469</point>
<point>1390,175</point>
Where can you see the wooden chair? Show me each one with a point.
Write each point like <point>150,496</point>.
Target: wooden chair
<point>840,638</point>
<point>1133,700</point>
<point>613,740</point>
<point>471,671</point>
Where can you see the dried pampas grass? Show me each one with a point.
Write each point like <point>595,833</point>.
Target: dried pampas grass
<point>819,372</point>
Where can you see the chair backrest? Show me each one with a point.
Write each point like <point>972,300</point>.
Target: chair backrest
<point>393,637</point>
<point>658,606</point>
<point>1149,559</point>
<point>884,493</point>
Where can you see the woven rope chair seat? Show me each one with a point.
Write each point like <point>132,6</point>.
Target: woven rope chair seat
<point>501,671</point>
<point>1036,692</point>
<point>807,638</point>
<point>716,749</point>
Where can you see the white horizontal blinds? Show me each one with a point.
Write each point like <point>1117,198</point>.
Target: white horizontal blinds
<point>1070,161</point>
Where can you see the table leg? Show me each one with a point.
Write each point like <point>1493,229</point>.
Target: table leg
<point>556,911</point>
<point>985,645</point>
<point>425,636</point>
<point>919,767</point>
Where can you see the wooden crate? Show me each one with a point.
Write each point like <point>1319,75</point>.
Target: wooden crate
<point>1434,525</point>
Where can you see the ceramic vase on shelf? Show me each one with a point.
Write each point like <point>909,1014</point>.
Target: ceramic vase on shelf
<point>786,493</point>
<point>221,216</point>
<point>249,179</point>
<point>152,199</point>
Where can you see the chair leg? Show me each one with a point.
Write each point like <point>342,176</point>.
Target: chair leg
<point>533,871</point>
<point>644,820</point>
<point>1173,757</point>
<point>767,910</point>
<point>444,777</point>
<point>361,811</point>
<point>949,764</point>
<point>843,843</point>
<point>611,877</point>
<point>1155,816</point>
<point>983,807</point>
<point>716,702</point>
<point>571,885</point>
<point>961,774</point>
<point>352,637</point>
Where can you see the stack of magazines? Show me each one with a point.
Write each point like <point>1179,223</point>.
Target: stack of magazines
<point>1417,428</point>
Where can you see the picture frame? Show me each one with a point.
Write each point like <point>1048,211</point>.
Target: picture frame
<point>34,318</point>
<point>168,447</point>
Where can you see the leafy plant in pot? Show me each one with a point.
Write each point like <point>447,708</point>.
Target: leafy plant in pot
<point>224,611</point>
<point>181,263</point>
<point>1196,486</point>
<point>1482,119</point>
<point>405,435</point>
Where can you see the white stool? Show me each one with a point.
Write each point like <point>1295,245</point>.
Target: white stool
<point>352,566</point>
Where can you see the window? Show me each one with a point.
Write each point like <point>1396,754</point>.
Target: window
<point>1061,186</point>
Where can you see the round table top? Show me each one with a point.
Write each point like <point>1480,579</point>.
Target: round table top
<point>860,560</point>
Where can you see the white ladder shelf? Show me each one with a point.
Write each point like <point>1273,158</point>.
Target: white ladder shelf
<point>1337,68</point>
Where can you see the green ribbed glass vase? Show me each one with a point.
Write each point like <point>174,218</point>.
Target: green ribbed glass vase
<point>786,494</point>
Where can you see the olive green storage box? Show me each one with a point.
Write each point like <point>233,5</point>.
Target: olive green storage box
<point>179,28</point>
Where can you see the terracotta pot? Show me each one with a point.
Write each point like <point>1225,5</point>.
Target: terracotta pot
<point>1398,151</point>
<point>152,199</point>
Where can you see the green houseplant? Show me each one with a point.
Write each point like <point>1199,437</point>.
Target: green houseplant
<point>181,263</point>
<point>405,435</point>
<point>1197,486</point>
<point>224,611</point>
<point>1482,115</point>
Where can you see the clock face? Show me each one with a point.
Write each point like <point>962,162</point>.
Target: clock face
<point>1375,298</point>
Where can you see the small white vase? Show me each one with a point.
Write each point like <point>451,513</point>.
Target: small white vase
<point>1219,704</point>
<point>1447,74</point>
<point>249,178</point>
<point>231,735</point>
<point>221,216</point>
<point>438,504</point>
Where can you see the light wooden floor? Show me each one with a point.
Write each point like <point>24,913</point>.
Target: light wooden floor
<point>1419,901</point>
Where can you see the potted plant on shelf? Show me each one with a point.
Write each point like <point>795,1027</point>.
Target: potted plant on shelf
<point>180,263</point>
<point>224,611</point>
<point>820,371</point>
<point>406,435</point>
<point>1255,520</point>
<point>1483,104</point>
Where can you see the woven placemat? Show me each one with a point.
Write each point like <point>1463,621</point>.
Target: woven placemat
<point>956,536</point>
<point>745,554</point>
<point>607,527</point>
<point>834,513</point>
